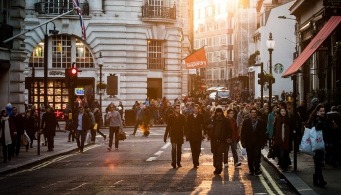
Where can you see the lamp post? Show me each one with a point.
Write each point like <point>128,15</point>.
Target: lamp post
<point>270,43</point>
<point>100,65</point>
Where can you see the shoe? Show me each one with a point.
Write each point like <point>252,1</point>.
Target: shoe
<point>173,165</point>
<point>195,166</point>
<point>105,137</point>
<point>133,134</point>
<point>226,165</point>
<point>116,148</point>
<point>68,140</point>
<point>237,164</point>
<point>258,173</point>
<point>108,148</point>
<point>81,151</point>
<point>179,164</point>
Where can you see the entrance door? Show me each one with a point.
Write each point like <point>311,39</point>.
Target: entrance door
<point>154,88</point>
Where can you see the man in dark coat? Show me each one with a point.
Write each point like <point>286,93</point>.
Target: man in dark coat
<point>220,136</point>
<point>49,124</point>
<point>253,138</point>
<point>19,122</point>
<point>176,129</point>
<point>81,123</point>
<point>195,132</point>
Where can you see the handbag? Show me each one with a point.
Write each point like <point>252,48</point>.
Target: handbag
<point>95,126</point>
<point>122,135</point>
<point>88,137</point>
<point>316,138</point>
<point>305,145</point>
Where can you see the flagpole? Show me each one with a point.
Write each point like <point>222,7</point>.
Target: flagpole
<point>9,39</point>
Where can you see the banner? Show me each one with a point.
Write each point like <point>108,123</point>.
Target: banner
<point>196,59</point>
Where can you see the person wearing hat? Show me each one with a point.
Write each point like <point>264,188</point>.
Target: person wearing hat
<point>220,135</point>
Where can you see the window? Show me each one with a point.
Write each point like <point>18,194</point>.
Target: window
<point>61,52</point>
<point>155,58</point>
<point>223,40</point>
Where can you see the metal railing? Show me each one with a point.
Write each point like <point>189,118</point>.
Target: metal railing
<point>156,63</point>
<point>6,31</point>
<point>149,11</point>
<point>56,8</point>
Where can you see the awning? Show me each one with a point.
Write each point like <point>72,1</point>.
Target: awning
<point>327,29</point>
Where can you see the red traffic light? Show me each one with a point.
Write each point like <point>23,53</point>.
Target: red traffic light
<point>74,71</point>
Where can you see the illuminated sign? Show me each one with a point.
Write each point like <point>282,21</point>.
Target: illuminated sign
<point>79,91</point>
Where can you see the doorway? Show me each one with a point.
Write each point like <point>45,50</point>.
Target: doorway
<point>154,88</point>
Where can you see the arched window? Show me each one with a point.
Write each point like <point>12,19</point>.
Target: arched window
<point>63,50</point>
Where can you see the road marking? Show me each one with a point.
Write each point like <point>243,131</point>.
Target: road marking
<point>266,186</point>
<point>272,182</point>
<point>78,186</point>
<point>116,183</point>
<point>158,153</point>
<point>51,184</point>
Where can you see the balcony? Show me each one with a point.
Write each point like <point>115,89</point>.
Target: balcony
<point>156,63</point>
<point>6,32</point>
<point>57,8</point>
<point>158,13</point>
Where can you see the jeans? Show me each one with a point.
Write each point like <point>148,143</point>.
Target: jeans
<point>113,130</point>
<point>176,152</point>
<point>80,138</point>
<point>234,152</point>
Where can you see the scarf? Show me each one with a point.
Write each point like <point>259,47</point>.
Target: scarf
<point>6,133</point>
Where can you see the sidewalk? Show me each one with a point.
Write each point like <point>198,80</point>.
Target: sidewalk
<point>302,179</point>
<point>62,146</point>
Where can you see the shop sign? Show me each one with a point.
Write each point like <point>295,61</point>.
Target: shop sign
<point>56,73</point>
<point>79,91</point>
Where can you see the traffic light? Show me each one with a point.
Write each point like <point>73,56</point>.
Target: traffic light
<point>73,76</point>
<point>261,78</point>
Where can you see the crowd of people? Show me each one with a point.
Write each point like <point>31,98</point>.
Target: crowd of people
<point>191,119</point>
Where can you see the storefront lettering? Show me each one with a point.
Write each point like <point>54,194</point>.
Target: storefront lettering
<point>54,72</point>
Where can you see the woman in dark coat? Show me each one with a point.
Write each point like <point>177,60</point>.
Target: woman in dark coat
<point>282,137</point>
<point>318,120</point>
<point>7,134</point>
<point>30,126</point>
<point>49,124</point>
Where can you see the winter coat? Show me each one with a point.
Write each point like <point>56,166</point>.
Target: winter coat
<point>176,128</point>
<point>49,124</point>
<point>225,131</point>
<point>195,127</point>
<point>278,140</point>
<point>235,130</point>
<point>251,138</point>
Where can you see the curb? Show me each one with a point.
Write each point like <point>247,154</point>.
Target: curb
<point>292,179</point>
<point>38,159</point>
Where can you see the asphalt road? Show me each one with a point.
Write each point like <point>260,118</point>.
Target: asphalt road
<point>140,166</point>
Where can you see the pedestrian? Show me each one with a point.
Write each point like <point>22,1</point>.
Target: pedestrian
<point>19,122</point>
<point>253,138</point>
<point>98,120</point>
<point>176,125</point>
<point>48,125</point>
<point>334,121</point>
<point>68,123</point>
<point>318,120</point>
<point>115,124</point>
<point>92,121</point>
<point>195,133</point>
<point>81,123</point>
<point>220,135</point>
<point>7,134</point>
<point>138,117</point>
<point>270,124</point>
<point>31,127</point>
<point>235,139</point>
<point>120,109</point>
<point>282,138</point>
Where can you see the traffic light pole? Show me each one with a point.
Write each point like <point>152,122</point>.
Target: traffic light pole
<point>262,87</point>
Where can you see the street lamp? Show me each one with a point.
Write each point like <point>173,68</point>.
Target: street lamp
<point>270,43</point>
<point>100,65</point>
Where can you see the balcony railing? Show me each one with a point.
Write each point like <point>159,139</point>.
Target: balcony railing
<point>149,11</point>
<point>56,8</point>
<point>6,31</point>
<point>156,63</point>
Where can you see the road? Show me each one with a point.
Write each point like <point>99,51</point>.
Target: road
<point>140,166</point>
